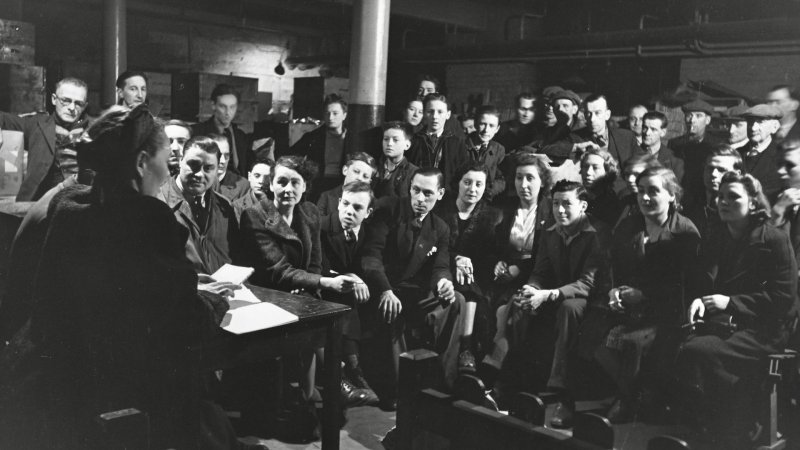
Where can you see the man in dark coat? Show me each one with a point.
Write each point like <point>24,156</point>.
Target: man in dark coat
<point>787,100</point>
<point>654,128</point>
<point>523,128</point>
<point>229,183</point>
<point>50,138</point>
<point>225,103</point>
<point>342,237</point>
<point>406,264</point>
<point>326,146</point>
<point>620,143</point>
<point>760,154</point>
<point>207,215</point>
<point>434,146</point>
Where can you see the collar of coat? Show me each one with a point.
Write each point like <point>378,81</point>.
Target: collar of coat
<point>304,211</point>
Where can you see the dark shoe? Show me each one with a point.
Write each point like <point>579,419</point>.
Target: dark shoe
<point>466,362</point>
<point>621,412</point>
<point>353,396</point>
<point>388,404</point>
<point>563,415</point>
<point>356,377</point>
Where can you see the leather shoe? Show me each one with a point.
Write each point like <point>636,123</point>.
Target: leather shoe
<point>466,362</point>
<point>563,415</point>
<point>353,396</point>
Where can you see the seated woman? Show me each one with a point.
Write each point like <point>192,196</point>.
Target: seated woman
<point>598,173</point>
<point>473,229</point>
<point>628,198</point>
<point>652,254</point>
<point>118,320</point>
<point>750,279</point>
<point>281,240</point>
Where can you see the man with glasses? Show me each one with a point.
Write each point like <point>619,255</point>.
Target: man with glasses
<point>50,138</point>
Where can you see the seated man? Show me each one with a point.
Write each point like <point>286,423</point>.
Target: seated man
<point>703,212</point>
<point>406,264</point>
<point>258,177</point>
<point>484,150</point>
<point>230,184</point>
<point>564,277</point>
<point>342,237</point>
<point>358,166</point>
<point>206,214</point>
<point>394,177</point>
<point>178,132</point>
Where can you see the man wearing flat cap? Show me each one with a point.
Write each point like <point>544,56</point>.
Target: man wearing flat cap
<point>760,153</point>
<point>736,125</point>
<point>694,146</point>
<point>557,140</point>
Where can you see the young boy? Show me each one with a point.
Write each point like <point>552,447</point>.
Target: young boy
<point>484,150</point>
<point>394,178</point>
<point>358,166</point>
<point>571,252</point>
<point>467,123</point>
<point>435,147</point>
<point>341,236</point>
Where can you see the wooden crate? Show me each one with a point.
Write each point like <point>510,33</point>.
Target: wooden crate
<point>159,93</point>
<point>191,94</point>
<point>22,88</point>
<point>17,42</point>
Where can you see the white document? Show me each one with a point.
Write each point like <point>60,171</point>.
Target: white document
<point>247,314</point>
<point>233,274</point>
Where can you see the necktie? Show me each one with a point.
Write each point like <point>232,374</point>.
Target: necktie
<point>234,162</point>
<point>601,141</point>
<point>416,224</point>
<point>350,236</point>
<point>199,211</point>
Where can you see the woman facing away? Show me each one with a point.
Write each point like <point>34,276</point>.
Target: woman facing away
<point>119,315</point>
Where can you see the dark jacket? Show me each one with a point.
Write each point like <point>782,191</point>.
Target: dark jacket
<point>398,183</point>
<point>392,256</point>
<point>449,153</point>
<point>513,135</point>
<point>243,203</point>
<point>492,158</point>
<point>283,258</point>
<point>664,269</point>
<point>40,142</point>
<point>340,257</point>
<point>765,168</point>
<point>117,323</point>
<point>476,242</point>
<point>622,143</point>
<point>693,154</point>
<point>604,204</point>
<point>312,146</point>
<point>544,219</point>
<point>759,273</point>
<point>571,268</point>
<point>667,159</point>
<point>214,243</point>
<point>233,186</point>
<point>328,202</point>
<point>242,148</point>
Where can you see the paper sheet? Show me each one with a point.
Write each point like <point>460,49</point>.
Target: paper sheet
<point>247,314</point>
<point>233,274</point>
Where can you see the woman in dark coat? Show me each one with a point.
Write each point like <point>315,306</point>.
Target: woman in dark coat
<point>599,172</point>
<point>750,278</point>
<point>652,254</point>
<point>281,239</point>
<point>117,322</point>
<point>473,229</point>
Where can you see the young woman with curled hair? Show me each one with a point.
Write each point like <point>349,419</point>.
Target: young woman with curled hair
<point>118,316</point>
<point>749,279</point>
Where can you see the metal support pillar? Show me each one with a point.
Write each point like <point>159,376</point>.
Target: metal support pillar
<point>115,54</point>
<point>369,55</point>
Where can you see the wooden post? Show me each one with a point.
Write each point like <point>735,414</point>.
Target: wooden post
<point>331,404</point>
<point>418,370</point>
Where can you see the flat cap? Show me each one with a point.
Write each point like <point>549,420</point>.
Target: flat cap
<point>698,106</point>
<point>764,112</point>
<point>735,113</point>
<point>550,90</point>
<point>567,94</point>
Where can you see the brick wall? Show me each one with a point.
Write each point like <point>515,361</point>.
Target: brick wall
<point>497,84</point>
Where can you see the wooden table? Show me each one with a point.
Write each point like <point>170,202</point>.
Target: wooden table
<point>319,325</point>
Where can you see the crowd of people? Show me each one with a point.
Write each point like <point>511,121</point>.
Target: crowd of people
<point>535,253</point>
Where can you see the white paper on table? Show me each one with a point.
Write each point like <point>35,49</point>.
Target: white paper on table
<point>233,274</point>
<point>247,314</point>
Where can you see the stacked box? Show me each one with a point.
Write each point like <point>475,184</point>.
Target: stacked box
<point>17,42</point>
<point>159,93</point>
<point>22,88</point>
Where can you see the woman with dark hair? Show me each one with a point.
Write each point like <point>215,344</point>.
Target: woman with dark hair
<point>413,114</point>
<point>119,315</point>
<point>281,240</point>
<point>523,220</point>
<point>599,172</point>
<point>750,280</point>
<point>652,254</point>
<point>473,229</point>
